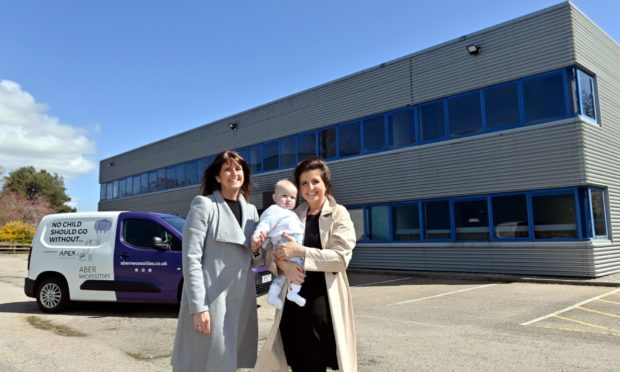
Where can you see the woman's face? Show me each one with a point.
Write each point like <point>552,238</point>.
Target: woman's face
<point>230,178</point>
<point>312,188</point>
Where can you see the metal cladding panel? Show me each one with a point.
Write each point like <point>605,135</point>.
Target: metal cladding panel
<point>173,202</point>
<point>567,260</point>
<point>600,55</point>
<point>522,47</point>
<point>535,157</point>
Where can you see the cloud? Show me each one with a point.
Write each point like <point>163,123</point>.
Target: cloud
<point>28,136</point>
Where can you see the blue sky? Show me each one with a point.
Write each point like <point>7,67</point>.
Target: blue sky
<point>81,81</point>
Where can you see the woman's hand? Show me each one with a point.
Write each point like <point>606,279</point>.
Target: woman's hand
<point>294,272</point>
<point>202,322</point>
<point>258,240</point>
<point>290,249</point>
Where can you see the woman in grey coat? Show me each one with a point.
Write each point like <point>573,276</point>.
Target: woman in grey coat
<point>217,328</point>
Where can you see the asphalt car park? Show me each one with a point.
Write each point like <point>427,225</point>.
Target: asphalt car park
<point>403,323</point>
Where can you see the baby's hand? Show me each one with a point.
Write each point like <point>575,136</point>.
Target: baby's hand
<point>258,240</point>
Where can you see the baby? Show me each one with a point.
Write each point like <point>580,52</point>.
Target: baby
<point>275,220</point>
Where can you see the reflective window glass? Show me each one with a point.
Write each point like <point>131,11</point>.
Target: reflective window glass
<point>122,188</point>
<point>327,143</point>
<point>192,176</point>
<point>136,185</point>
<point>306,146</point>
<point>471,220</point>
<point>502,106</point>
<point>170,181</point>
<point>437,220</point>
<point>180,175</point>
<point>587,103</point>
<point>270,156</point>
<point>204,163</point>
<point>406,222</point>
<point>152,181</point>
<point>109,191</point>
<point>598,213</point>
<point>357,216</point>
<point>379,223</point>
<point>144,182</point>
<point>374,133</point>
<point>349,139</point>
<point>128,186</point>
<point>554,216</point>
<point>287,152</point>
<point>510,216</point>
<point>161,179</point>
<point>102,192</point>
<point>402,131</point>
<point>255,158</point>
<point>464,115</point>
<point>544,98</point>
<point>115,189</point>
<point>432,121</point>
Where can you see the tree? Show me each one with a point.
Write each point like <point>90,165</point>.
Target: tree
<point>15,207</point>
<point>27,182</point>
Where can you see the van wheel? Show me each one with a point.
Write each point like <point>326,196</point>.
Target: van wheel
<point>52,295</point>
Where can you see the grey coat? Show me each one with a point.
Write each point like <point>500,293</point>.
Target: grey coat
<point>217,269</point>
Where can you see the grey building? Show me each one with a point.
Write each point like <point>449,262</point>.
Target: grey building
<point>496,152</point>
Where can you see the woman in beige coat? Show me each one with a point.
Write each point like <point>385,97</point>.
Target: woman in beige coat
<point>322,333</point>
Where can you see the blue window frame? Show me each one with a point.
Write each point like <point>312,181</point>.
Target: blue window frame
<point>555,216</point>
<point>545,97</point>
<point>271,153</point>
<point>437,220</point>
<point>328,139</point>
<point>586,93</point>
<point>306,145</point>
<point>471,219</point>
<point>502,107</point>
<point>431,120</point>
<point>510,216</point>
<point>349,139</point>
<point>288,152</point>
<point>406,219</point>
<point>401,128</point>
<point>373,130</point>
<point>597,218</point>
<point>526,101</point>
<point>464,115</point>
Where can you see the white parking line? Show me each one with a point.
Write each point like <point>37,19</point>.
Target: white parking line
<point>381,282</point>
<point>443,294</point>
<point>569,308</point>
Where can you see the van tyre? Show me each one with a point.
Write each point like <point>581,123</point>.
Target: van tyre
<point>53,295</point>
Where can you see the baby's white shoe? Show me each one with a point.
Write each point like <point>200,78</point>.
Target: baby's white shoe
<point>273,297</point>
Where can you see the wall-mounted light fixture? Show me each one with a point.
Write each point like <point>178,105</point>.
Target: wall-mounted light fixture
<point>473,49</point>
<point>233,126</point>
<point>110,164</point>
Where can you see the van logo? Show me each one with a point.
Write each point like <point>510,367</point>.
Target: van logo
<point>67,253</point>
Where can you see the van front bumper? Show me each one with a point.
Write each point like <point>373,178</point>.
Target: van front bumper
<point>29,287</point>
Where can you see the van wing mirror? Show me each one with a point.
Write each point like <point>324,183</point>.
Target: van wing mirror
<point>159,244</point>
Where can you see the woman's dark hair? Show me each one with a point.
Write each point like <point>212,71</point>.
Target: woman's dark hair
<point>209,182</point>
<point>312,164</point>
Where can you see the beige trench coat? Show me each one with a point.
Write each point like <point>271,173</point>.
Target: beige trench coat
<point>338,240</point>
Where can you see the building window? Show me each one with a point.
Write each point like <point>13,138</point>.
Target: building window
<point>287,152</point>
<point>102,192</point>
<point>471,220</point>
<point>191,173</point>
<point>501,105</point>
<point>203,164</point>
<point>136,185</point>
<point>432,121</point>
<point>327,143</point>
<point>544,98</point>
<point>306,146</point>
<point>357,216</point>
<point>510,217</point>
<point>270,156</point>
<point>161,179</point>
<point>401,128</point>
<point>122,188</point>
<point>599,218</point>
<point>555,216</point>
<point>437,220</point>
<point>254,158</point>
<point>180,175</point>
<point>109,191</point>
<point>379,223</point>
<point>586,94</point>
<point>374,133</point>
<point>349,139</point>
<point>144,183</point>
<point>115,189</point>
<point>171,178</point>
<point>406,222</point>
<point>464,115</point>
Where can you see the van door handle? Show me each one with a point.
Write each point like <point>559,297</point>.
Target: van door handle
<point>123,255</point>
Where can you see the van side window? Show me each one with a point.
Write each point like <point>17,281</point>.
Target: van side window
<point>140,233</point>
